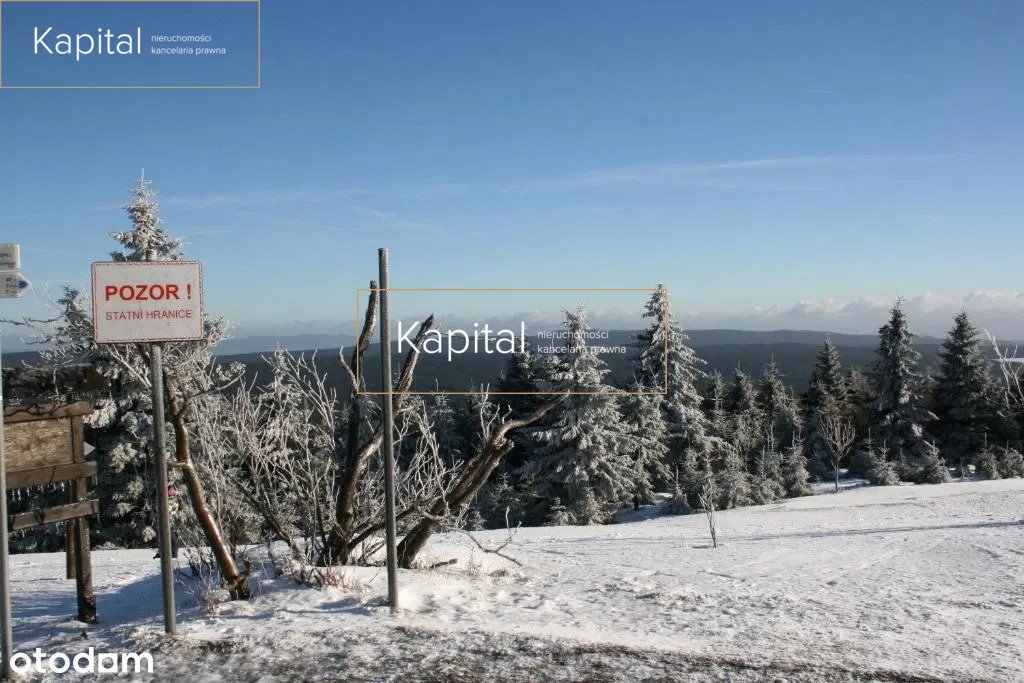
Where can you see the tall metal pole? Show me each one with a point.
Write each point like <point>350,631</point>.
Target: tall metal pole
<point>156,370</point>
<point>5,579</point>
<point>389,434</point>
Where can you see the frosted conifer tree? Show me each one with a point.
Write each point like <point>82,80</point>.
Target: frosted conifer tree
<point>794,470</point>
<point>664,342</point>
<point>646,423</point>
<point>987,463</point>
<point>520,381</point>
<point>767,483</point>
<point>119,427</point>
<point>732,479</point>
<point>744,418</point>
<point>558,515</point>
<point>1011,463</point>
<point>899,414</point>
<point>583,451</point>
<point>963,395</point>
<point>777,406</point>
<point>880,469</point>
<point>825,397</point>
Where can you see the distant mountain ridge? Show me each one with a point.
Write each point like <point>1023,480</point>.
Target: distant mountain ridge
<point>710,337</point>
<point>722,350</point>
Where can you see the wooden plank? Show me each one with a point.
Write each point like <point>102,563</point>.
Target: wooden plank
<point>46,411</point>
<point>78,439</point>
<point>40,476</point>
<point>36,444</point>
<point>58,513</point>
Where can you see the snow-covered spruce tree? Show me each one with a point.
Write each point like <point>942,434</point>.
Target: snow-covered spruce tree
<point>777,405</point>
<point>745,418</point>
<point>963,398</point>
<point>825,398</point>
<point>645,420</point>
<point>860,399</point>
<point>444,416</point>
<point>519,381</point>
<point>766,480</point>
<point>732,480</point>
<point>899,414</point>
<point>664,343</point>
<point>713,405</point>
<point>191,380</point>
<point>582,454</point>
<point>1011,463</point>
<point>499,502</point>
<point>793,470</point>
<point>986,463</point>
<point>559,516</point>
<point>119,428</point>
<point>713,390</point>
<point>878,466</point>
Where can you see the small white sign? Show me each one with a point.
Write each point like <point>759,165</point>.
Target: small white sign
<point>12,284</point>
<point>154,301</point>
<point>10,257</point>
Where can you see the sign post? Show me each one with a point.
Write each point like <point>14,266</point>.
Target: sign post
<point>151,302</point>
<point>389,434</point>
<point>12,285</point>
<point>5,579</point>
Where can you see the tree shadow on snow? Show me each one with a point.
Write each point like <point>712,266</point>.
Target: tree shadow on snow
<point>872,531</point>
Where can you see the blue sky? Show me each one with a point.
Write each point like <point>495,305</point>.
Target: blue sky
<point>774,164</point>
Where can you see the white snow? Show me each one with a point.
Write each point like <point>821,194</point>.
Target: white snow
<point>891,583</point>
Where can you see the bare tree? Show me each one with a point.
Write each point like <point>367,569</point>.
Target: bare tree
<point>495,444</point>
<point>839,435</point>
<point>706,497</point>
<point>358,451</point>
<point>283,436</point>
<point>1011,364</point>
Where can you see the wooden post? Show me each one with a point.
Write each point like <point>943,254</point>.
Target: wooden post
<point>83,554</point>
<point>69,540</point>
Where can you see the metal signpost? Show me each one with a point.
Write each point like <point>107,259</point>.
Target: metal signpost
<point>389,435</point>
<point>150,302</point>
<point>12,285</point>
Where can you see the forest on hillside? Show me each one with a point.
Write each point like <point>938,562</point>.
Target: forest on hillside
<point>292,458</point>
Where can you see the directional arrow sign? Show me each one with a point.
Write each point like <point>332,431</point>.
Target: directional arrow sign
<point>10,257</point>
<point>12,284</point>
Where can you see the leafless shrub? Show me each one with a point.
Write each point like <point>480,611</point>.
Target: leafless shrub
<point>706,498</point>
<point>839,435</point>
<point>1011,365</point>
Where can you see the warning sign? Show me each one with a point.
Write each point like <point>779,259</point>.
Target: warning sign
<point>147,301</point>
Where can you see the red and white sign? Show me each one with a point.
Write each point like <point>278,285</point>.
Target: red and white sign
<point>147,301</point>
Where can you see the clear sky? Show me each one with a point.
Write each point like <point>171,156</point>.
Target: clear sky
<point>774,164</point>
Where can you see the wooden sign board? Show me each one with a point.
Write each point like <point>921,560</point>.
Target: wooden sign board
<point>45,444</point>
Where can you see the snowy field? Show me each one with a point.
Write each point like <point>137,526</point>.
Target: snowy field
<point>910,583</point>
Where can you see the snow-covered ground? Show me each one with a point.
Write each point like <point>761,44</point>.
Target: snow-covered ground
<point>901,583</point>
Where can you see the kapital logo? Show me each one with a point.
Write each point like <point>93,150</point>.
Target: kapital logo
<point>104,42</point>
<point>130,44</point>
